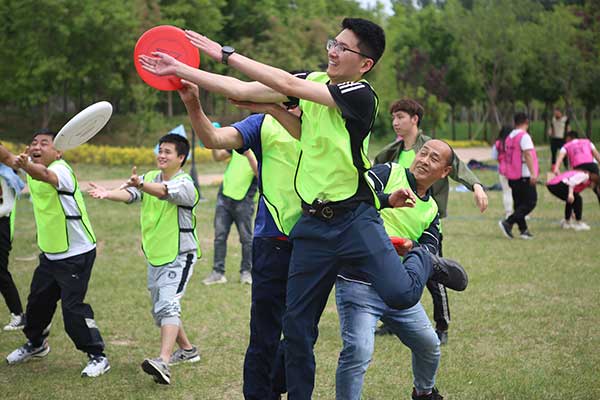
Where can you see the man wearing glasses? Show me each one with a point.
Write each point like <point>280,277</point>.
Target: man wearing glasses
<point>340,224</point>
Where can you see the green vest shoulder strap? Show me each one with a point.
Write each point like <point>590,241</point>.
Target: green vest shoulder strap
<point>407,222</point>
<point>50,217</point>
<point>238,177</point>
<point>159,220</point>
<point>280,152</point>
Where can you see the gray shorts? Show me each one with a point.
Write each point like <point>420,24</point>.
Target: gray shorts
<point>167,285</point>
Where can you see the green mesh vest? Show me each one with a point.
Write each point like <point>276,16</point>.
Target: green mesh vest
<point>407,222</point>
<point>326,168</point>
<point>238,177</point>
<point>159,220</point>
<point>50,218</point>
<point>278,167</point>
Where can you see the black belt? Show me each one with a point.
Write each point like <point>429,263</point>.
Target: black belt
<point>327,210</point>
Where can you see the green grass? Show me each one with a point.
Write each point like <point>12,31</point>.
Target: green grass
<point>526,328</point>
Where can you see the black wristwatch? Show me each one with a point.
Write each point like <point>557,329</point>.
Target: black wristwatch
<point>226,51</point>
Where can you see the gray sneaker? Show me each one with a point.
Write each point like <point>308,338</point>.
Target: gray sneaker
<point>185,356</point>
<point>16,322</point>
<point>246,278</point>
<point>27,352</point>
<point>158,369</point>
<point>214,277</point>
<point>96,366</point>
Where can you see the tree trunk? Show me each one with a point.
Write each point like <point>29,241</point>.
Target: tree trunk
<point>588,121</point>
<point>452,121</point>
<point>46,114</point>
<point>469,121</point>
<point>169,104</point>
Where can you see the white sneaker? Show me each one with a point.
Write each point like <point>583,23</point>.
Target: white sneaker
<point>566,224</point>
<point>246,278</point>
<point>214,277</point>
<point>27,352</point>
<point>16,322</point>
<point>581,226</point>
<point>96,366</point>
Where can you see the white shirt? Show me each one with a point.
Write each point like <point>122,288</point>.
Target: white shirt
<point>526,144</point>
<point>558,126</point>
<point>79,242</point>
<point>7,199</point>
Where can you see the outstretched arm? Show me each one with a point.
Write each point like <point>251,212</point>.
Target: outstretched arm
<point>99,192</point>
<point>163,64</point>
<point>288,120</point>
<point>211,137</point>
<point>559,160</point>
<point>275,78</point>
<point>6,157</point>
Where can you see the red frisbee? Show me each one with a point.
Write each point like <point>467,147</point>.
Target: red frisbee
<point>397,242</point>
<point>172,41</point>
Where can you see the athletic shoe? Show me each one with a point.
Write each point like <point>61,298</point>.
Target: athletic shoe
<point>443,336</point>
<point>246,278</point>
<point>434,395</point>
<point>215,277</point>
<point>16,322</point>
<point>526,235</point>
<point>96,366</point>
<point>506,228</point>
<point>27,352</point>
<point>566,224</point>
<point>383,330</point>
<point>158,369</point>
<point>185,356</point>
<point>449,273</point>
<point>578,226</point>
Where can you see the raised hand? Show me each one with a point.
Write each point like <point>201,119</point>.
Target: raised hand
<point>205,45</point>
<point>189,91</point>
<point>97,191</point>
<point>402,198</point>
<point>133,181</point>
<point>22,160</point>
<point>160,64</point>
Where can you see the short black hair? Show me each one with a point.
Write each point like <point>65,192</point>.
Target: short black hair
<point>520,118</point>
<point>572,134</point>
<point>182,145</point>
<point>44,131</point>
<point>409,106</point>
<point>371,37</point>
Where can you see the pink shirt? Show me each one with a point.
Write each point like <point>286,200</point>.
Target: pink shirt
<point>578,180</point>
<point>579,151</point>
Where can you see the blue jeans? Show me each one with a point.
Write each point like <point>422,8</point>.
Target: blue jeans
<point>227,212</point>
<point>359,308</point>
<point>264,377</point>
<point>358,239</point>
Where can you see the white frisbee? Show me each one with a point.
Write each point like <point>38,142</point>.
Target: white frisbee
<point>84,126</point>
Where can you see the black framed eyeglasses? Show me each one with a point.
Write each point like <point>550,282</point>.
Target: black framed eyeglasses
<point>340,48</point>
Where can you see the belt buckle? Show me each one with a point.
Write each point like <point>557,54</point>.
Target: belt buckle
<point>327,212</point>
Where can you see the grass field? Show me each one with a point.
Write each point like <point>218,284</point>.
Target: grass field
<point>526,328</point>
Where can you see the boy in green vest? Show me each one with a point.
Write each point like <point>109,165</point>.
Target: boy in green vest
<point>407,116</point>
<point>68,245</point>
<point>169,243</point>
<point>235,204</point>
<point>340,223</point>
<point>360,307</point>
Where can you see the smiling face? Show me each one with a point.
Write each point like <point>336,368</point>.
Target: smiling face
<point>432,162</point>
<point>167,158</point>
<point>42,150</point>
<point>344,66</point>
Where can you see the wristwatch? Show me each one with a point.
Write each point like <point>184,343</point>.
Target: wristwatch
<point>226,51</point>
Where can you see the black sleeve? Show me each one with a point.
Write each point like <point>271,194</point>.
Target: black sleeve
<point>294,101</point>
<point>430,239</point>
<point>357,101</point>
<point>378,176</point>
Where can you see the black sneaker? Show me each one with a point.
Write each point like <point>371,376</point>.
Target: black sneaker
<point>506,228</point>
<point>443,336</point>
<point>449,273</point>
<point>383,330</point>
<point>526,235</point>
<point>434,395</point>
